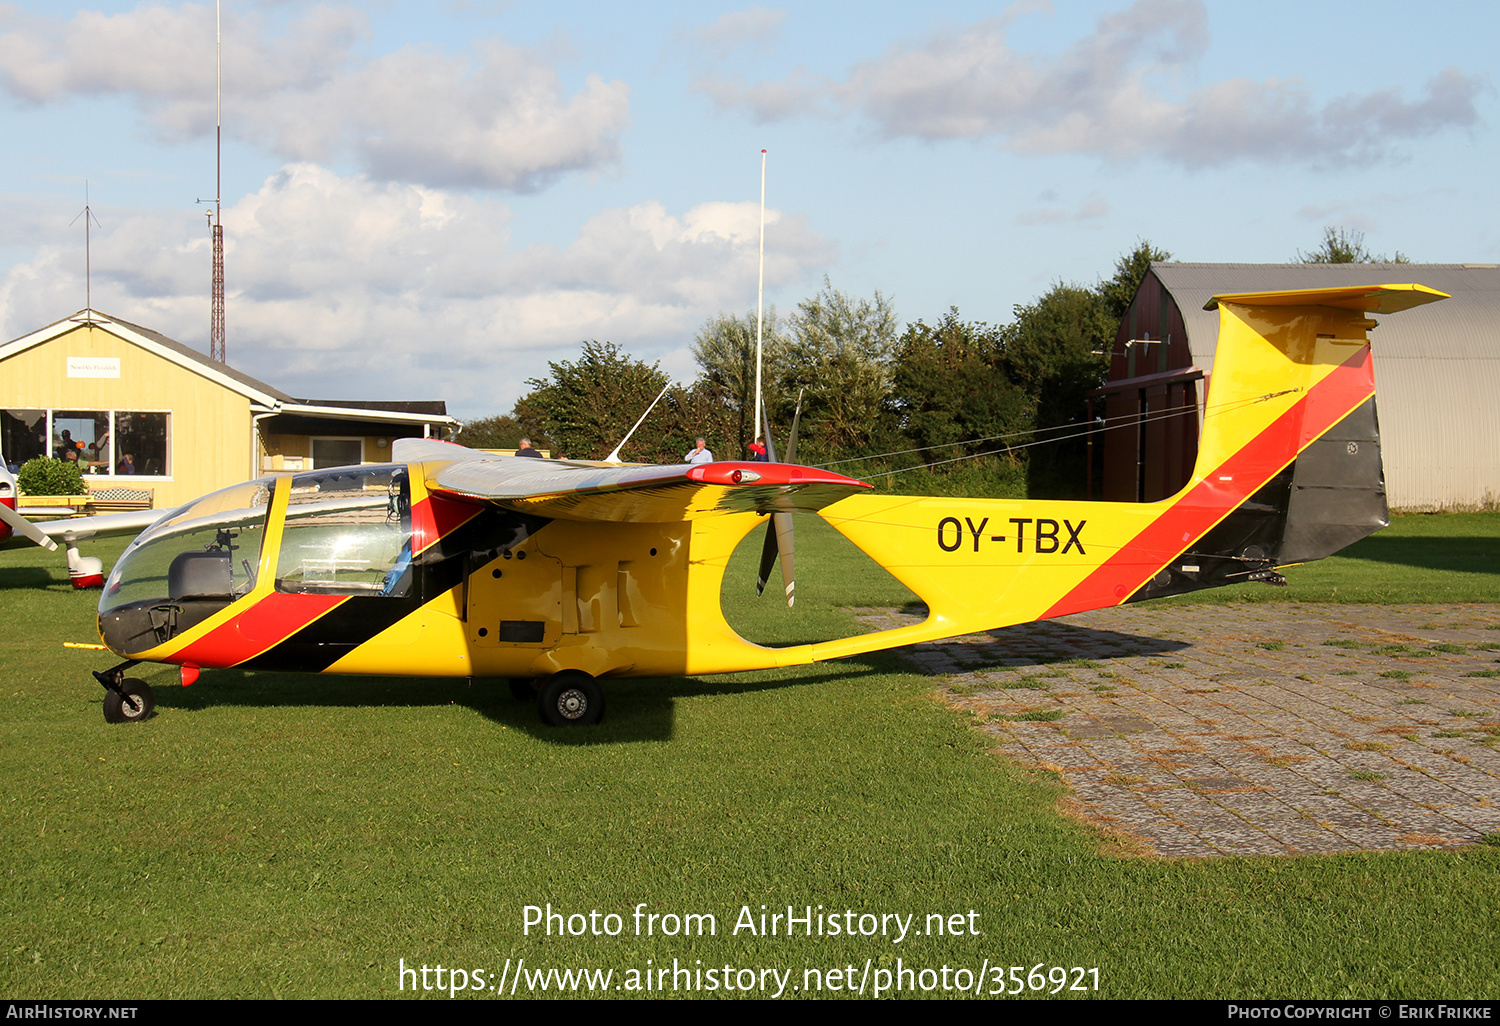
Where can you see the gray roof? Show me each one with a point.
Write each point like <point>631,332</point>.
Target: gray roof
<point>429,407</point>
<point>260,393</point>
<point>207,361</point>
<point>1437,367</point>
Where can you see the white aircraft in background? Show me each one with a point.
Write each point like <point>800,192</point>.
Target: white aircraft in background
<point>83,571</point>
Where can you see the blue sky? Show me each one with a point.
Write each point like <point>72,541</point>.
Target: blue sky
<point>432,201</point>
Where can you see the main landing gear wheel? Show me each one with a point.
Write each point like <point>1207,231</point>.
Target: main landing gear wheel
<point>132,703</point>
<point>571,699</point>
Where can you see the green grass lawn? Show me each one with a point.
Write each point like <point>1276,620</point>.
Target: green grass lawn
<point>297,836</point>
<point>1437,557</point>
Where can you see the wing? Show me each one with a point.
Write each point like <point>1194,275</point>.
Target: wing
<point>47,533</point>
<point>579,490</point>
<point>103,526</point>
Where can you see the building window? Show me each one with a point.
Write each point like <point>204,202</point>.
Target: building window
<point>23,436</point>
<point>337,452</point>
<point>105,443</point>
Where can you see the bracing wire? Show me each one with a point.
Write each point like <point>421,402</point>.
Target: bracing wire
<point>1075,431</point>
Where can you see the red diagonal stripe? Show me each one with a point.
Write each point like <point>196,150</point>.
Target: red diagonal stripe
<point>436,517</point>
<point>1211,500</point>
<point>268,622</point>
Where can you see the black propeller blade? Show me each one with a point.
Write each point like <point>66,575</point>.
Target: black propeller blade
<point>779,537</point>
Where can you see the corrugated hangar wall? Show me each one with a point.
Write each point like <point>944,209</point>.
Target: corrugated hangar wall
<point>1437,367</point>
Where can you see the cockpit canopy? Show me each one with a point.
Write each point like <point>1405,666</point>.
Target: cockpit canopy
<point>208,548</point>
<point>346,531</point>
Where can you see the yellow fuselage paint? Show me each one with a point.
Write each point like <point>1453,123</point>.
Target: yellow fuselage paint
<point>634,598</point>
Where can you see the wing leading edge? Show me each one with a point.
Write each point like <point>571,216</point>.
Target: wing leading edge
<point>576,490</point>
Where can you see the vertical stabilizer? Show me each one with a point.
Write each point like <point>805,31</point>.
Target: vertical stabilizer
<point>1291,410</point>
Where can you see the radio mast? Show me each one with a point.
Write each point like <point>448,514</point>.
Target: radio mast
<point>216,326</point>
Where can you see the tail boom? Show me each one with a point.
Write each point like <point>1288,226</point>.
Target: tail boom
<point>1288,471</point>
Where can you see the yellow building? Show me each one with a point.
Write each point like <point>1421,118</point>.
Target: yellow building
<point>142,411</point>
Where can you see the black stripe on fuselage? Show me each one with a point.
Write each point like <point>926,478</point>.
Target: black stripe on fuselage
<point>438,569</point>
<point>1329,497</point>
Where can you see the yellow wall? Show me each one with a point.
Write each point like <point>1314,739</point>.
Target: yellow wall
<point>279,447</point>
<point>210,425</point>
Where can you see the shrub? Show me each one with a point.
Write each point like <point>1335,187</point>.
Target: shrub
<point>47,476</point>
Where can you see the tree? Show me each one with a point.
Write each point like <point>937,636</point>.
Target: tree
<point>1130,270</point>
<point>725,391</point>
<point>1346,246</point>
<point>953,382</point>
<point>1057,348</point>
<point>586,407</point>
<point>840,354</point>
<point>502,432</point>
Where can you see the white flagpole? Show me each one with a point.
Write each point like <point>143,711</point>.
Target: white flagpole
<point>760,295</point>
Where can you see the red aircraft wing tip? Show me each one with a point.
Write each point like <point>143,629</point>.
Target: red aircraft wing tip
<point>747,473</point>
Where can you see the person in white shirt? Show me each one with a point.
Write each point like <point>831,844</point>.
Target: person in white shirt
<point>699,453</point>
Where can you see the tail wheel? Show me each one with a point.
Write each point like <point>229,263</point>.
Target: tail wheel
<point>571,699</point>
<point>132,703</point>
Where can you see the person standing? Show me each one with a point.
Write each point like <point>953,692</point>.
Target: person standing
<point>699,453</point>
<point>527,450</point>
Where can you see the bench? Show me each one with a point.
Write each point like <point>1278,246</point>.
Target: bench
<point>117,499</point>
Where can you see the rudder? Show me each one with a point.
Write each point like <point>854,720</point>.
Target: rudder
<point>1292,405</point>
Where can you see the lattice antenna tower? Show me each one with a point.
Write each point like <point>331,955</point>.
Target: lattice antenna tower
<point>216,326</point>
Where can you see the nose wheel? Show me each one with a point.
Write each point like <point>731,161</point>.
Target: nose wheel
<point>131,704</point>
<point>127,699</point>
<point>571,699</point>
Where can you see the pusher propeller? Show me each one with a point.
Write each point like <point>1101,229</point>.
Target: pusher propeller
<point>779,538</point>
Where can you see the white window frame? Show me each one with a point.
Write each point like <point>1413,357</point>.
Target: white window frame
<point>165,475</point>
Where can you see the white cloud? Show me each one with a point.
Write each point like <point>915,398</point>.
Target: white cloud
<point>495,117</point>
<point>351,288</point>
<point>1090,209</point>
<point>757,26</point>
<point>1108,94</point>
<point>800,92</point>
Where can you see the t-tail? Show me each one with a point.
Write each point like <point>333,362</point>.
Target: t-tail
<point>1328,489</point>
<point>1288,471</point>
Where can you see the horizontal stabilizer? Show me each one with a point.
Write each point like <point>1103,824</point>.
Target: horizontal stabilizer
<point>1382,299</point>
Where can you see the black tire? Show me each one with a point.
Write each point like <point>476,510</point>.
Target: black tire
<point>522,689</point>
<point>131,704</point>
<point>571,699</point>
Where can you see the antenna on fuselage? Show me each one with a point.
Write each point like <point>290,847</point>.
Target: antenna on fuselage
<point>779,542</point>
<point>216,317</point>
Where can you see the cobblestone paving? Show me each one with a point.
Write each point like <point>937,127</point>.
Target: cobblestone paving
<point>1249,729</point>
